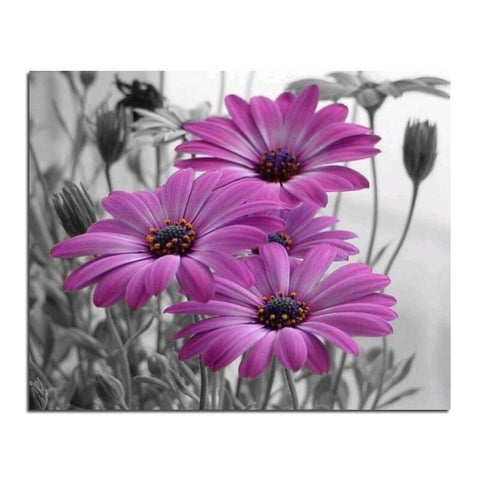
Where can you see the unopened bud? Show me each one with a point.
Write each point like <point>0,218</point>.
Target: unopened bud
<point>75,209</point>
<point>87,78</point>
<point>419,149</point>
<point>157,364</point>
<point>38,395</point>
<point>111,133</point>
<point>109,389</point>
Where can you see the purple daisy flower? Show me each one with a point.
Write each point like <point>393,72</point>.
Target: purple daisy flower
<point>303,230</point>
<point>181,230</point>
<point>284,145</point>
<point>284,313</point>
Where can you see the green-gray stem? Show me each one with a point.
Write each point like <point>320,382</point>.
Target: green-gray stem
<point>108,177</point>
<point>406,228</point>
<point>271,378</point>
<point>291,388</point>
<point>373,233</point>
<point>338,377</point>
<point>127,379</point>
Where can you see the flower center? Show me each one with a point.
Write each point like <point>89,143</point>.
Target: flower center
<point>278,166</point>
<point>281,238</point>
<point>172,239</point>
<point>280,311</point>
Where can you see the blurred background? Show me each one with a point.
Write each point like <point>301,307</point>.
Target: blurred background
<point>421,274</point>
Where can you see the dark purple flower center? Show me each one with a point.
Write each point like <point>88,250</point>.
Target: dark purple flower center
<point>281,238</point>
<point>173,239</point>
<point>278,166</point>
<point>280,311</point>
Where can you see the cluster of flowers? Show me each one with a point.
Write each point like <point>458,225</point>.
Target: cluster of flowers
<point>243,239</point>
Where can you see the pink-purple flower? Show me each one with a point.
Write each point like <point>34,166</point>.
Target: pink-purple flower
<point>304,230</point>
<point>287,312</point>
<point>180,230</point>
<point>284,145</point>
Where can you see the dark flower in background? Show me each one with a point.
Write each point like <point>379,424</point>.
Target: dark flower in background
<point>419,149</point>
<point>88,78</point>
<point>109,390</point>
<point>111,133</point>
<point>74,208</point>
<point>369,94</point>
<point>139,95</point>
<point>38,395</point>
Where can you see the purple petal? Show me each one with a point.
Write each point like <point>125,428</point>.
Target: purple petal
<point>206,164</point>
<point>313,267</point>
<point>213,307</point>
<point>200,194</point>
<point>225,265</point>
<point>109,225</point>
<point>318,360</point>
<point>354,323</point>
<point>268,118</point>
<point>176,193</point>
<point>129,209</point>
<point>257,360</point>
<point>195,279</point>
<point>290,348</point>
<point>89,272</point>
<point>136,294</point>
<point>338,179</point>
<point>240,112</point>
<point>197,344</point>
<point>284,102</point>
<point>151,202</point>
<point>232,292</point>
<point>376,310</point>
<point>98,244</point>
<point>256,265</point>
<point>307,190</point>
<point>299,115</point>
<point>210,324</point>
<point>225,349</point>
<point>277,267</point>
<point>161,273</point>
<point>332,335</point>
<point>232,239</point>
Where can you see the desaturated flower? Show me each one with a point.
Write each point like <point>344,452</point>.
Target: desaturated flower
<point>285,311</point>
<point>111,133</point>
<point>109,389</point>
<point>368,93</point>
<point>157,364</point>
<point>181,230</point>
<point>38,395</point>
<point>74,208</point>
<point>167,124</point>
<point>286,148</point>
<point>419,149</point>
<point>303,230</point>
<point>139,95</point>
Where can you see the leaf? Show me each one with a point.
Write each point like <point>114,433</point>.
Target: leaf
<point>87,342</point>
<point>406,393</point>
<point>379,254</point>
<point>347,79</point>
<point>404,371</point>
<point>343,394</point>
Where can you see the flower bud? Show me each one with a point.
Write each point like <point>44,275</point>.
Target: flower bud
<point>38,395</point>
<point>109,389</point>
<point>157,364</point>
<point>87,78</point>
<point>111,133</point>
<point>75,209</point>
<point>419,149</point>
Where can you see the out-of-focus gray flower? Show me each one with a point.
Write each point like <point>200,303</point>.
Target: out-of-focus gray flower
<point>111,133</point>
<point>38,395</point>
<point>166,124</point>
<point>368,93</point>
<point>419,149</point>
<point>157,364</point>
<point>109,390</point>
<point>74,208</point>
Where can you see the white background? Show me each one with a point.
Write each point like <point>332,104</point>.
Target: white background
<point>250,35</point>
